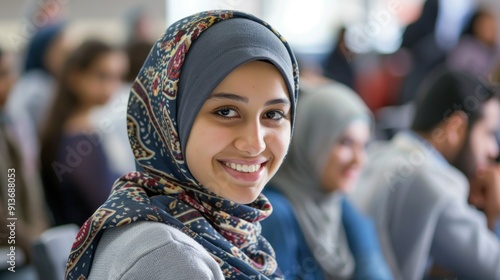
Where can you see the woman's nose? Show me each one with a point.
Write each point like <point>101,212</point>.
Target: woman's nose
<point>251,139</point>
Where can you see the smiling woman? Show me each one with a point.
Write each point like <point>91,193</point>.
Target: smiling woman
<point>209,120</point>
<point>247,130</point>
<point>314,229</point>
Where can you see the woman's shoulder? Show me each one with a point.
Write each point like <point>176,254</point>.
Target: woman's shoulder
<point>151,250</point>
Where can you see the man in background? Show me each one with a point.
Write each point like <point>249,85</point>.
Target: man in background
<point>416,187</point>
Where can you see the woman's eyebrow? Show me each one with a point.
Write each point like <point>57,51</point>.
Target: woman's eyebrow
<point>235,97</point>
<point>278,101</point>
<point>223,95</point>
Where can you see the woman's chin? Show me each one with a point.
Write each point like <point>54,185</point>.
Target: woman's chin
<point>243,200</point>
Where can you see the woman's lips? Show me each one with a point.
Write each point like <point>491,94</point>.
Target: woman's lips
<point>245,168</point>
<point>351,173</point>
<point>246,172</point>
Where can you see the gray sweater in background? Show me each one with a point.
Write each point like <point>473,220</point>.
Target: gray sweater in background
<point>151,250</point>
<point>419,202</point>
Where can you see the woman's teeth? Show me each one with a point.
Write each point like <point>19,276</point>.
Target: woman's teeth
<point>243,167</point>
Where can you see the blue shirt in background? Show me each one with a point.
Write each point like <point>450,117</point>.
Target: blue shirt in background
<point>295,259</point>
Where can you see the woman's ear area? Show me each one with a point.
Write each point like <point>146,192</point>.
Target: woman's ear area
<point>456,128</point>
<point>73,79</point>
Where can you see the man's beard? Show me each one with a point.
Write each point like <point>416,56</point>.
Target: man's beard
<point>465,160</point>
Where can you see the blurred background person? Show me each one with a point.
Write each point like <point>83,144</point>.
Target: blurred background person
<point>316,232</point>
<point>415,187</point>
<point>338,63</point>
<point>420,39</point>
<point>31,96</point>
<point>29,207</point>
<point>74,167</point>
<point>477,51</point>
<point>140,24</point>
<point>34,91</point>
<point>112,116</point>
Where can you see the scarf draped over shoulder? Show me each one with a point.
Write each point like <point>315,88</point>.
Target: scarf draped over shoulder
<point>164,190</point>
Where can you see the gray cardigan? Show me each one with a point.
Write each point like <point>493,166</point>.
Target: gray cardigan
<point>419,203</point>
<point>151,250</point>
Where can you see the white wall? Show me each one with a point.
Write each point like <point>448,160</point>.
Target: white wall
<point>178,9</point>
<point>101,18</point>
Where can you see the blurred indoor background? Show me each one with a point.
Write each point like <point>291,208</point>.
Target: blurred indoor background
<point>380,48</point>
<point>373,27</point>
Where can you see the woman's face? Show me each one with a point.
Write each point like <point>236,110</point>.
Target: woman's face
<point>346,158</point>
<point>486,29</point>
<point>241,134</point>
<point>96,85</point>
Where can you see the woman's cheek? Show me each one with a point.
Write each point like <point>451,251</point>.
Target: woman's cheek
<point>217,139</point>
<point>279,143</point>
<point>344,156</point>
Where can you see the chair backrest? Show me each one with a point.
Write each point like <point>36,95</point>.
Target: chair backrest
<point>51,251</point>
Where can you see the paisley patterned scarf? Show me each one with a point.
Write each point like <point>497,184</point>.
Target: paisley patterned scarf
<point>165,191</point>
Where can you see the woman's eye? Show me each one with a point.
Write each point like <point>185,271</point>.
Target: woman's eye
<point>227,113</point>
<point>275,115</point>
<point>346,142</point>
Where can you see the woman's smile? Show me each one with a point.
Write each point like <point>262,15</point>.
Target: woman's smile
<point>249,171</point>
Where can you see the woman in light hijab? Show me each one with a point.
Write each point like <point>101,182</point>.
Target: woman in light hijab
<point>314,229</point>
<point>210,117</point>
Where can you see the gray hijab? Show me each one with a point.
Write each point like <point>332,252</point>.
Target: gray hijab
<point>212,57</point>
<point>322,116</point>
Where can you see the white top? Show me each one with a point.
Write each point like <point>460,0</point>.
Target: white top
<point>110,122</point>
<point>151,250</point>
